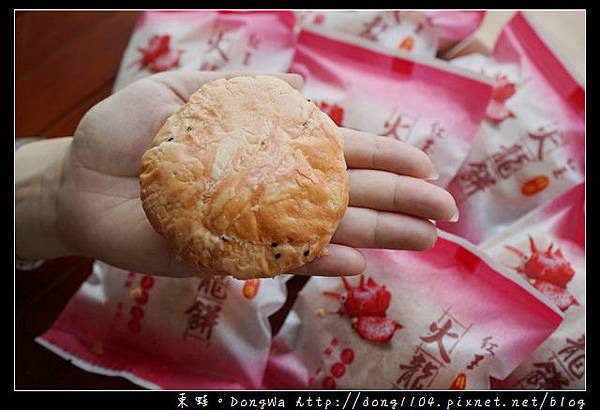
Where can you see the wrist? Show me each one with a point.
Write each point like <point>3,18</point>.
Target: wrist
<point>38,175</point>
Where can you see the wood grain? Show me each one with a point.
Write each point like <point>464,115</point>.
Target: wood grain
<point>62,58</point>
<point>65,63</point>
<point>67,123</point>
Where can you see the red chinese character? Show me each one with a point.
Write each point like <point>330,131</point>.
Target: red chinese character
<point>391,126</point>
<point>219,287</point>
<point>373,28</point>
<point>474,363</point>
<point>437,336</point>
<point>214,43</point>
<point>436,132</point>
<point>577,363</point>
<point>476,178</point>
<point>214,286</point>
<point>424,22</point>
<point>547,377</point>
<point>540,136</point>
<point>253,43</point>
<point>415,365</point>
<point>558,172</point>
<point>204,285</point>
<point>426,373</point>
<point>486,344</point>
<point>203,318</point>
<point>426,147</point>
<point>379,24</point>
<point>510,160</point>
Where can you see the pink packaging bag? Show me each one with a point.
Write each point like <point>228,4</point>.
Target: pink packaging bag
<point>547,248</point>
<point>208,40</point>
<point>417,32</point>
<point>425,102</point>
<point>531,146</point>
<point>447,318</point>
<point>164,333</point>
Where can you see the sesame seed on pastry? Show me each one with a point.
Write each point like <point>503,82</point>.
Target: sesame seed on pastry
<point>247,178</point>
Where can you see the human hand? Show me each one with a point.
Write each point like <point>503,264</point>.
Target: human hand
<point>99,212</point>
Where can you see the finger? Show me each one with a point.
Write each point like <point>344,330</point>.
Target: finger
<point>140,248</point>
<point>185,83</point>
<point>364,150</point>
<point>367,228</point>
<point>340,261</point>
<point>390,192</point>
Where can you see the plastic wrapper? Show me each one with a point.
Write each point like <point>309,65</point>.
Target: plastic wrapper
<point>208,40</point>
<point>447,318</point>
<point>531,145</point>
<point>547,248</point>
<point>425,102</point>
<point>417,32</point>
<point>210,332</point>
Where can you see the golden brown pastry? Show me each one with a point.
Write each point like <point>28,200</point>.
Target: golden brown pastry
<point>247,178</point>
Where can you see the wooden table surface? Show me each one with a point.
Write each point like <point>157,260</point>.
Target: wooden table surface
<point>66,62</point>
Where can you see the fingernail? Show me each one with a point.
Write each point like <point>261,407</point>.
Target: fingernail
<point>434,174</point>
<point>454,217</point>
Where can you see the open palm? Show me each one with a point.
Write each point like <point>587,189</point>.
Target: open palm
<point>100,212</point>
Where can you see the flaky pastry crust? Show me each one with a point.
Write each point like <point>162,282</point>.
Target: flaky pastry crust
<point>248,178</point>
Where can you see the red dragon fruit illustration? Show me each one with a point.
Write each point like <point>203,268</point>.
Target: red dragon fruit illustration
<point>366,305</point>
<point>503,90</point>
<point>561,297</point>
<point>335,112</point>
<point>548,271</point>
<point>158,56</point>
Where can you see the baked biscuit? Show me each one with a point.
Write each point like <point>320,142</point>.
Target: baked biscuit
<point>247,178</point>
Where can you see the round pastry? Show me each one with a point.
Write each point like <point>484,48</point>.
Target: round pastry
<point>248,178</point>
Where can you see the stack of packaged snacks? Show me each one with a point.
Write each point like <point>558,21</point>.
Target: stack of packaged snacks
<point>506,132</point>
